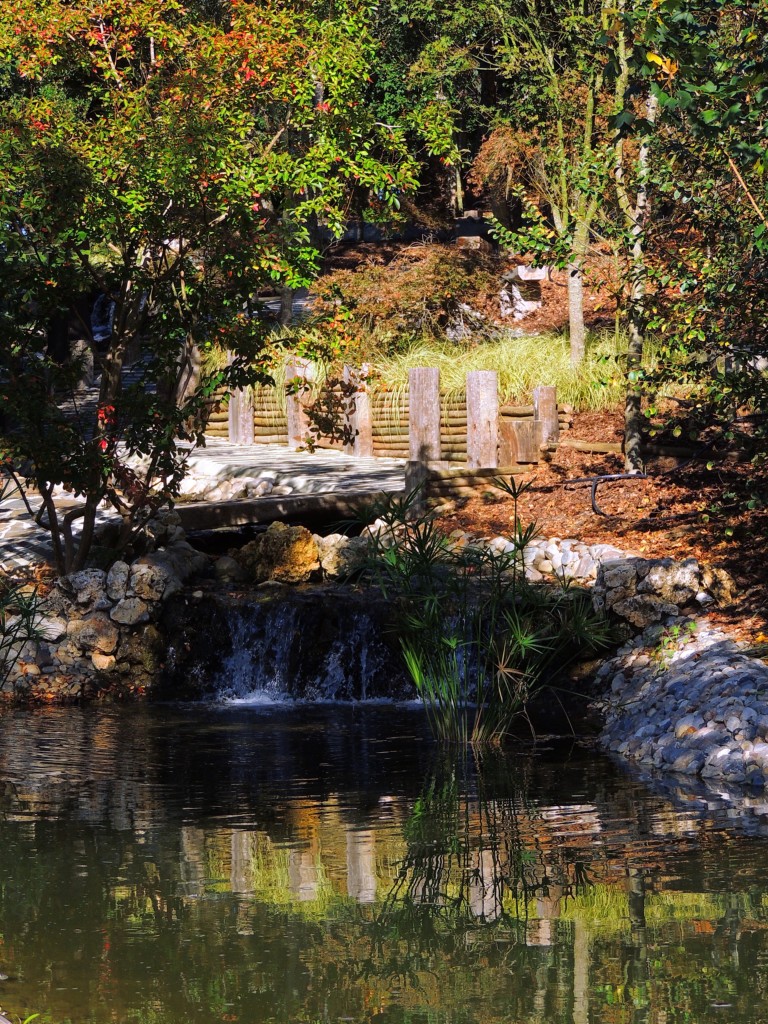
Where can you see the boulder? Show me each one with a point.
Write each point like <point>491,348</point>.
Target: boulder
<point>675,582</point>
<point>340,556</point>
<point>103,662</point>
<point>718,585</point>
<point>148,579</point>
<point>644,591</point>
<point>288,554</point>
<point>229,569</point>
<point>130,611</point>
<point>643,610</point>
<point>144,649</point>
<point>117,580</point>
<point>87,587</point>
<point>179,559</point>
<point>93,633</point>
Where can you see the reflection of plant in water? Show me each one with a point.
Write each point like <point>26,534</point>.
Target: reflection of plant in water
<point>469,868</point>
<point>478,639</point>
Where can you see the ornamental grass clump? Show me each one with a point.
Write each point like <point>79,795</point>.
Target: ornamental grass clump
<point>18,615</point>
<point>478,639</point>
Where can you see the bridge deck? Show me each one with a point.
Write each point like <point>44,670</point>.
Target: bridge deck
<point>324,483</point>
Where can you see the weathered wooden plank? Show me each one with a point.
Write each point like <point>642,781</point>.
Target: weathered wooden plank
<point>361,417</point>
<point>545,410</point>
<point>482,418</point>
<point>448,473</point>
<point>519,440</point>
<point>240,416</point>
<point>296,413</point>
<point>424,413</point>
<point>593,447</point>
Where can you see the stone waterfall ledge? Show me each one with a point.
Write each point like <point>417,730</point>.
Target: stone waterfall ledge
<point>106,633</point>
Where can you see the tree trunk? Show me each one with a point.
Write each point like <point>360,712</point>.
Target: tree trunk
<point>633,406</point>
<point>286,307</point>
<point>576,327</point>
<point>633,403</point>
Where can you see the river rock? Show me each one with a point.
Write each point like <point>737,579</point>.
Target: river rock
<point>693,698</point>
<point>52,627</point>
<point>288,554</point>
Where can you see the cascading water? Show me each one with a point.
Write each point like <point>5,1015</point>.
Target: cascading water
<point>255,671</point>
<point>318,643</point>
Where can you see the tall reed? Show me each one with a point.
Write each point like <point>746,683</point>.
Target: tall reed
<point>478,639</point>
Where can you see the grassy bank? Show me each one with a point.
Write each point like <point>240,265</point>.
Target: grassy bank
<point>522,364</point>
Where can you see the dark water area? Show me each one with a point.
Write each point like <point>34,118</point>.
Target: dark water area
<point>305,864</point>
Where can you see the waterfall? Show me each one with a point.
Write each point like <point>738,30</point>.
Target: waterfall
<point>283,644</point>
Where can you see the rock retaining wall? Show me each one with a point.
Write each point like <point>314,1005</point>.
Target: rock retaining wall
<point>98,630</point>
<point>685,698</point>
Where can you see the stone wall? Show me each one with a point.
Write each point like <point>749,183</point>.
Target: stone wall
<point>98,630</point>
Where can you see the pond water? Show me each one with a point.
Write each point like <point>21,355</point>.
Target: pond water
<point>176,864</point>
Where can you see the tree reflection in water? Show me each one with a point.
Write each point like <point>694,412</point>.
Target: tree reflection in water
<point>165,866</point>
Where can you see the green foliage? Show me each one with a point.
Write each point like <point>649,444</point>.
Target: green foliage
<point>172,160</point>
<point>18,624</point>
<point>671,640</point>
<point>479,641</point>
<point>709,302</point>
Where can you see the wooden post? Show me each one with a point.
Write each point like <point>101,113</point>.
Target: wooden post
<point>545,410</point>
<point>240,416</point>
<point>361,419</point>
<point>482,419</point>
<point>424,414</point>
<point>417,485</point>
<point>298,421</point>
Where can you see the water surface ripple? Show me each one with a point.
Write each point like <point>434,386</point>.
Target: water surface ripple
<point>167,864</point>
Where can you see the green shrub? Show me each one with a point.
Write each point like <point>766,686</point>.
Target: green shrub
<point>416,294</point>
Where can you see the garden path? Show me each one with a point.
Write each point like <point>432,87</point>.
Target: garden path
<point>23,542</point>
